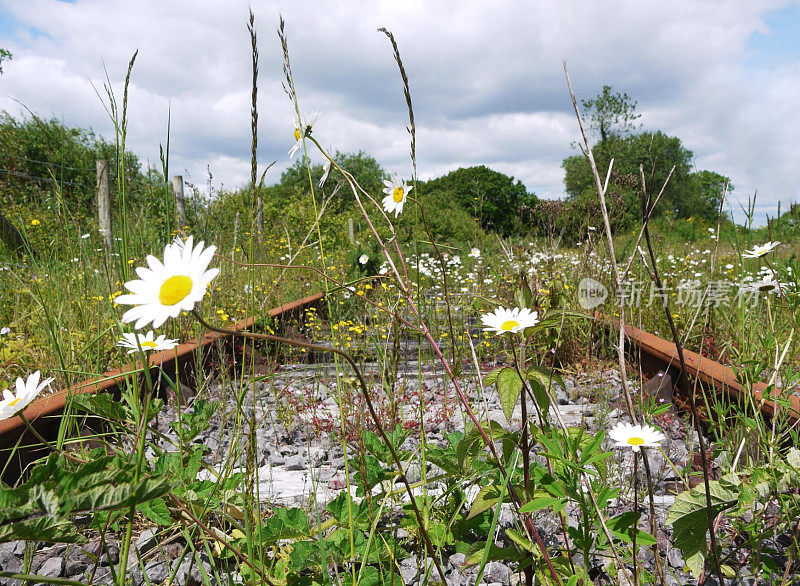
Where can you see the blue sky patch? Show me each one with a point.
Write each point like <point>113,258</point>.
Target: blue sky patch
<point>780,45</point>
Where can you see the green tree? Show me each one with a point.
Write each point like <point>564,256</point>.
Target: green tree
<point>687,193</point>
<point>47,162</point>
<point>610,113</point>
<point>495,200</point>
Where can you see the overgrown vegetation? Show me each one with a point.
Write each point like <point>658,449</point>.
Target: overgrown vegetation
<point>486,279</point>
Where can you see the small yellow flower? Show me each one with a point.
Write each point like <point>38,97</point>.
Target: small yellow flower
<point>35,222</point>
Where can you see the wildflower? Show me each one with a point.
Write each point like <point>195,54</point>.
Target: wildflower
<point>326,168</point>
<point>475,253</point>
<point>26,392</point>
<point>396,192</point>
<point>5,330</point>
<point>635,436</point>
<point>504,320</point>
<point>300,131</point>
<point>35,222</point>
<point>165,289</point>
<point>759,251</point>
<point>766,285</point>
<point>85,236</point>
<point>363,259</point>
<point>146,341</point>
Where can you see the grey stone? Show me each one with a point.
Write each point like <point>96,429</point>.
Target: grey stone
<point>497,572</point>
<point>295,463</point>
<point>276,459</point>
<point>52,568</point>
<point>157,571</point>
<point>146,541</point>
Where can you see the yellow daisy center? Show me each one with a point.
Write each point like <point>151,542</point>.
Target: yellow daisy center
<point>14,402</point>
<point>509,325</point>
<point>175,289</point>
<point>635,441</point>
<point>297,134</point>
<point>397,194</point>
<point>149,344</point>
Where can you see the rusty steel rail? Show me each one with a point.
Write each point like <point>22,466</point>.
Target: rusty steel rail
<point>656,354</point>
<point>45,413</point>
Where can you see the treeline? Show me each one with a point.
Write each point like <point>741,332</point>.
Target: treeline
<point>48,166</point>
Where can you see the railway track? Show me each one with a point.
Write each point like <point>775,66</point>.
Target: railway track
<point>656,355</point>
<point>45,413</point>
<point>653,354</point>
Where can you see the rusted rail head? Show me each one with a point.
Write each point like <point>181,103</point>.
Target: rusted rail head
<point>656,355</point>
<point>45,413</point>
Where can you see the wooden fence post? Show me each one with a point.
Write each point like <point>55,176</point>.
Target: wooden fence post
<point>103,203</point>
<point>180,203</point>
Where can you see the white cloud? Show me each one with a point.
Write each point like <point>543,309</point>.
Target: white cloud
<point>486,80</point>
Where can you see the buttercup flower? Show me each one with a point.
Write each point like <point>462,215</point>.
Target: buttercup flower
<point>26,392</point>
<point>504,320</point>
<point>165,289</point>
<point>363,259</point>
<point>635,436</point>
<point>396,192</point>
<point>146,341</point>
<point>759,251</point>
<point>299,133</point>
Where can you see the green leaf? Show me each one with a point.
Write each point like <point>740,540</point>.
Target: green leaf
<point>689,517</point>
<point>103,405</point>
<point>485,500</point>
<point>284,524</point>
<point>156,510</point>
<point>41,529</point>
<point>509,387</point>
<point>543,502</point>
<point>193,423</point>
<point>475,553</point>
<point>623,527</point>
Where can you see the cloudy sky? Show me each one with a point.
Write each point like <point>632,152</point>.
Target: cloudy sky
<point>486,80</point>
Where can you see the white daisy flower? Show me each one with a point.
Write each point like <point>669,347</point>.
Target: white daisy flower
<point>766,285</point>
<point>475,253</point>
<point>326,168</point>
<point>148,342</point>
<point>396,192</point>
<point>299,133</point>
<point>363,259</point>
<point>759,251</point>
<point>4,331</point>
<point>165,289</point>
<point>27,390</point>
<point>504,320</point>
<point>635,436</point>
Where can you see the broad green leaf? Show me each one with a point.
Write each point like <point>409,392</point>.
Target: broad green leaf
<point>156,510</point>
<point>486,499</point>
<point>509,387</point>
<point>623,527</point>
<point>689,517</point>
